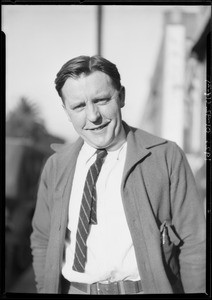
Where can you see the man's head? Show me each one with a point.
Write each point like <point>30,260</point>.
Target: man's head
<point>92,95</point>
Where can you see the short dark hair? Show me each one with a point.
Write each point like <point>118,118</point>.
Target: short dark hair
<point>87,65</point>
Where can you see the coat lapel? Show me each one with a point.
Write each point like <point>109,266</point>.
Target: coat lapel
<point>133,155</point>
<point>139,144</point>
<point>67,159</point>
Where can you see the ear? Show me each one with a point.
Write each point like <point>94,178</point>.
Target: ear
<point>122,97</point>
<point>63,106</point>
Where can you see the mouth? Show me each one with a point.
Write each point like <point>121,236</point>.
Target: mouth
<point>99,127</point>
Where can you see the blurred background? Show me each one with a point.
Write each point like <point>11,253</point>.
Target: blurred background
<point>160,52</point>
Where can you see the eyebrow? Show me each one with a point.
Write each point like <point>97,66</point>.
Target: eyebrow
<point>102,95</point>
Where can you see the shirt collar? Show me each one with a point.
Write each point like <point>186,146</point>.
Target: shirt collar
<point>87,152</point>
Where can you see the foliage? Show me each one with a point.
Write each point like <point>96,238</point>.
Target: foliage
<point>24,121</point>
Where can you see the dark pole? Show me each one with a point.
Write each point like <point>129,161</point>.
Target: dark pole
<point>99,29</point>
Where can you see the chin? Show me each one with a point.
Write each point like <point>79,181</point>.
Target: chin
<point>100,146</point>
<point>102,143</point>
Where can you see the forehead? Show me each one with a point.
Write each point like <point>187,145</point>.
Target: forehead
<point>96,82</point>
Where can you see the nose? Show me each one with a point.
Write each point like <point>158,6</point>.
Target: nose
<point>92,112</point>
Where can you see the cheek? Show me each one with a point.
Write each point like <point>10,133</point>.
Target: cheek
<point>116,116</point>
<point>78,121</point>
<point>111,112</point>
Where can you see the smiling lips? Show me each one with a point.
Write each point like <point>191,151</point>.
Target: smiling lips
<point>99,127</point>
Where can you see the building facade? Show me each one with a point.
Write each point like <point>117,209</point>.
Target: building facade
<point>176,108</point>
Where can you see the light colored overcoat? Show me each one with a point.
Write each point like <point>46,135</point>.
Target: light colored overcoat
<point>158,189</point>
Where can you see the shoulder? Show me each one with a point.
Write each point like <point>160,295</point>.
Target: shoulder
<point>150,141</point>
<point>64,154</point>
<point>159,147</point>
<point>67,149</point>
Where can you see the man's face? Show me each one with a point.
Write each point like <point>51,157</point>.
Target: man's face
<point>94,108</point>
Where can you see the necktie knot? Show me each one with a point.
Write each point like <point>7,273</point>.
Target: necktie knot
<point>101,153</point>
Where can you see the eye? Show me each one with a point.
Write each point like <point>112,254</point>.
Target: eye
<point>79,107</point>
<point>102,101</point>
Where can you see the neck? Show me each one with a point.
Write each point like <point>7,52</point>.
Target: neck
<point>121,140</point>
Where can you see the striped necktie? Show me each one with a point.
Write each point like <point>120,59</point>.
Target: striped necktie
<point>87,214</point>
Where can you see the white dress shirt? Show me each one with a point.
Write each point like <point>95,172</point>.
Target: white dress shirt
<point>110,251</point>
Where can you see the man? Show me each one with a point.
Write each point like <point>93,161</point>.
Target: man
<point>118,211</point>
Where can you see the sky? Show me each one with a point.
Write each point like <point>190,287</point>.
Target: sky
<point>41,38</point>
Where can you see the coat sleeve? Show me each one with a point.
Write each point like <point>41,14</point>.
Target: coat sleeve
<point>41,228</point>
<point>188,219</point>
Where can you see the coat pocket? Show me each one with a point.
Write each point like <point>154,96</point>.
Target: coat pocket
<point>168,234</point>
<point>170,243</point>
